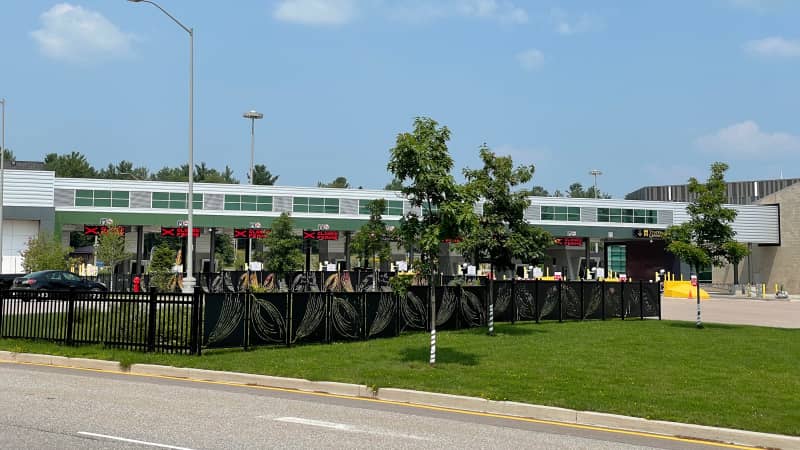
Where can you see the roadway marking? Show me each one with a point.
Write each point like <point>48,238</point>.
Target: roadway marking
<point>132,441</point>
<point>407,405</point>
<point>347,428</point>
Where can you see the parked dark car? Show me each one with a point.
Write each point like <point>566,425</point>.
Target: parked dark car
<point>55,280</point>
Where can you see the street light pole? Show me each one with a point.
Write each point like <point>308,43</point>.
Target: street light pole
<point>2,176</point>
<point>189,281</point>
<point>252,115</point>
<point>595,172</point>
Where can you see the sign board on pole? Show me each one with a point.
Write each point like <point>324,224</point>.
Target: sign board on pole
<point>557,276</point>
<point>256,266</point>
<point>402,266</point>
<point>694,280</point>
<point>623,277</point>
<point>472,271</point>
<point>599,273</point>
<point>537,272</point>
<point>331,267</point>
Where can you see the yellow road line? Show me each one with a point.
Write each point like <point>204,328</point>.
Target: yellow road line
<point>408,405</point>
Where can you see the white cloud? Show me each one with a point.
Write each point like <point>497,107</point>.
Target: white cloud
<point>316,12</point>
<point>746,140</point>
<point>531,59</point>
<point>775,47</point>
<point>568,25</point>
<point>74,34</point>
<point>426,10</point>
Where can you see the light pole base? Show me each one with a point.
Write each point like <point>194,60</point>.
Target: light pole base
<point>188,285</point>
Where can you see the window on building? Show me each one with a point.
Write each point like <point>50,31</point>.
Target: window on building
<point>562,213</point>
<point>315,205</point>
<point>393,207</point>
<point>102,198</point>
<point>175,200</point>
<point>616,258</point>
<point>621,215</point>
<point>248,203</point>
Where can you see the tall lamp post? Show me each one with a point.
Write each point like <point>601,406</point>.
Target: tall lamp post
<point>2,175</point>
<point>595,172</point>
<point>189,281</point>
<point>252,115</point>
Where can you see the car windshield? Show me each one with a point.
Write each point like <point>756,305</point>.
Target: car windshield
<point>35,274</point>
<point>71,276</point>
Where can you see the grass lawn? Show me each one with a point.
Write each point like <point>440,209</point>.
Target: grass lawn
<point>724,375</point>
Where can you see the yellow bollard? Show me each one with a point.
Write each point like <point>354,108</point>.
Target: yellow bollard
<point>763,290</point>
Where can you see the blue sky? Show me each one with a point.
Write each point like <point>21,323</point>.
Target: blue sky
<point>648,92</point>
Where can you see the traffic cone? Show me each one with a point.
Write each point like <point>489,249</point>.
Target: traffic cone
<point>690,293</point>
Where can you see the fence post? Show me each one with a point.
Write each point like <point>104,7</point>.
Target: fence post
<point>246,319</point>
<point>151,320</point>
<point>581,282</point>
<point>603,299</point>
<point>659,303</point>
<point>622,299</point>
<point>536,299</point>
<point>196,339</point>
<point>560,303</point>
<point>70,316</point>
<point>3,293</point>
<point>641,300</point>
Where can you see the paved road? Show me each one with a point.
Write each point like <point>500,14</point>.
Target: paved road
<point>49,407</point>
<point>769,313</point>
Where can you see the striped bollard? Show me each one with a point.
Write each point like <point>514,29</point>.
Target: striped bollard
<point>491,319</point>
<point>433,345</point>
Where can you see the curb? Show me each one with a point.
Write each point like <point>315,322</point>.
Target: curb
<point>459,402</point>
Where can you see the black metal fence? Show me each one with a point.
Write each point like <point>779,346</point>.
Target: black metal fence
<point>288,318</point>
<point>154,322</point>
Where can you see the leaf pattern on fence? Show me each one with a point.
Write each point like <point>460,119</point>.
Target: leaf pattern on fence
<point>345,318</point>
<point>550,301</point>
<point>526,307</point>
<point>315,312</point>
<point>413,310</point>
<point>503,300</point>
<point>271,328</point>
<point>471,309</point>
<point>338,282</point>
<point>229,318</point>
<point>383,317</point>
<point>593,304</point>
<point>447,307</point>
<point>571,299</point>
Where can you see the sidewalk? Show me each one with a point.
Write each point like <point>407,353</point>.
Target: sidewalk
<point>733,309</point>
<point>545,414</point>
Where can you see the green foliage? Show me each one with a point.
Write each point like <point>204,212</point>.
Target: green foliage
<point>373,237</point>
<point>8,156</point>
<point>707,238</point>
<point>223,249</point>
<point>283,253</point>
<point>73,165</point>
<point>500,234</point>
<point>111,247</point>
<point>421,161</point>
<point>576,190</point>
<point>537,191</point>
<point>45,252</point>
<point>80,239</point>
<point>160,268</point>
<point>394,185</point>
<point>124,170</point>
<point>202,174</point>
<point>339,182</point>
<point>262,176</point>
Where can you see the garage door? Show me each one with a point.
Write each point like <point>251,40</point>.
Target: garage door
<point>15,239</point>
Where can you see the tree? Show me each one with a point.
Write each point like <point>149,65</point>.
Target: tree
<point>160,268</point>
<point>708,237</point>
<point>576,190</point>
<point>373,237</point>
<point>394,185</point>
<point>339,182</point>
<point>283,253</point>
<point>421,161</point>
<point>501,235</point>
<point>262,176</point>
<point>111,249</point>
<point>538,191</point>
<point>180,173</point>
<point>124,170</point>
<point>73,165</point>
<point>8,155</point>
<point>45,252</point>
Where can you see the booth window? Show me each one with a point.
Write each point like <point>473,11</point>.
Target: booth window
<point>102,198</point>
<point>175,200</point>
<point>315,205</point>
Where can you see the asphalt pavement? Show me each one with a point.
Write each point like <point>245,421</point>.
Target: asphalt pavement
<point>734,310</point>
<point>46,407</point>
